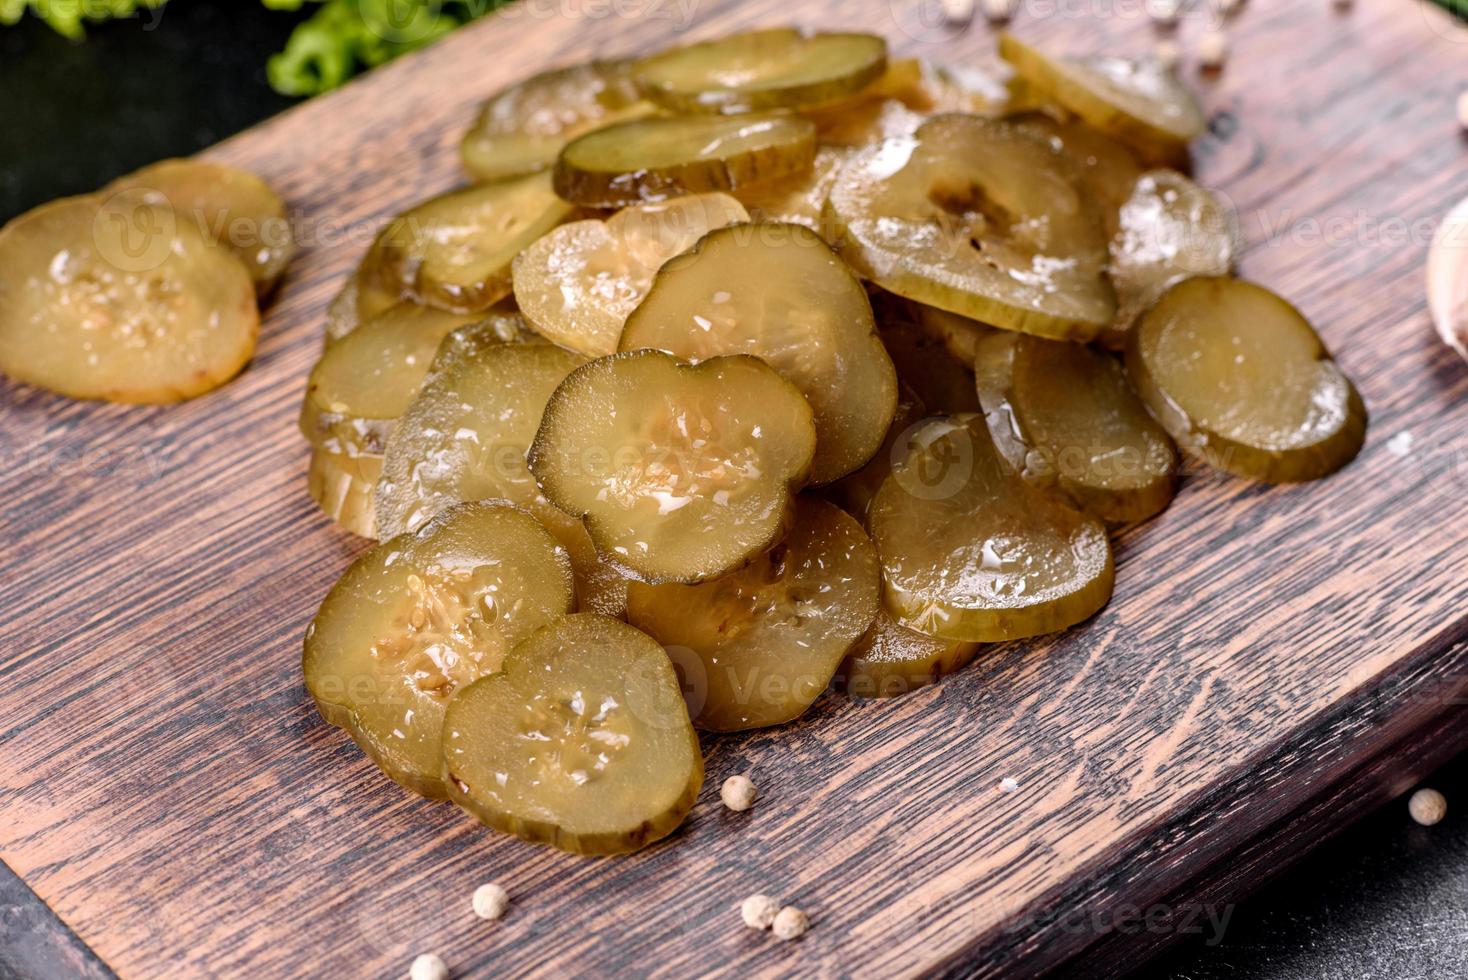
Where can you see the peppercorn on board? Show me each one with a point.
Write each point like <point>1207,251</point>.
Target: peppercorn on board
<point>1275,659</point>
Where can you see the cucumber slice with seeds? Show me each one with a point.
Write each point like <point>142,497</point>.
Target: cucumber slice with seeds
<point>681,472</point>
<point>454,251</point>
<point>582,741</point>
<point>422,615</point>
<point>770,636</point>
<point>778,292</point>
<point>771,69</point>
<point>121,300</point>
<point>655,159</point>
<point>976,217</point>
<point>466,433</point>
<point>579,283</point>
<point>1240,378</point>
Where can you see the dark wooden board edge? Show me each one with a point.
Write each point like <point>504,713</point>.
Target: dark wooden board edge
<point>1373,784</point>
<point>1422,711</point>
<point>35,944</point>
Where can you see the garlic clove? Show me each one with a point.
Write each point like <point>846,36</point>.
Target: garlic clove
<point>1447,279</point>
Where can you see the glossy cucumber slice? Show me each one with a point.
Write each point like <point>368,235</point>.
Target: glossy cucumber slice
<point>1106,168</point>
<point>768,638</point>
<point>1065,416</point>
<point>976,217</point>
<point>1140,103</point>
<point>655,159</point>
<point>579,283</point>
<point>771,69</point>
<point>230,206</point>
<point>1240,378</point>
<point>465,435</point>
<point>343,487</point>
<point>521,129</point>
<point>581,741</point>
<point>891,660</point>
<point>121,300</point>
<point>681,472</point>
<point>1168,229</point>
<point>779,293</point>
<point>454,251</point>
<point>972,552</point>
<point>367,379</point>
<point>422,615</point>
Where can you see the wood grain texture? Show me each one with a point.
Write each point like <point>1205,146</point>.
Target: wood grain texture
<point>169,790</point>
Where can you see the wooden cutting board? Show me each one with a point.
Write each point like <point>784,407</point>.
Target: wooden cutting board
<point>1275,659</point>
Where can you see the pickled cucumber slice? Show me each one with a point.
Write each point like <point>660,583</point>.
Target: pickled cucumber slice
<point>891,660</point>
<point>770,636</point>
<point>943,384</point>
<point>771,69</point>
<point>422,615</point>
<point>1080,429</point>
<point>343,487</point>
<point>454,251</point>
<point>974,216</point>
<point>521,129</point>
<point>121,301</point>
<point>579,283</point>
<point>1240,378</point>
<point>467,431</point>
<point>1106,168</point>
<point>972,552</point>
<point>655,159</point>
<point>367,379</point>
<point>778,292</point>
<point>800,199</point>
<point>1169,229</point>
<point>681,472</point>
<point>1140,103</point>
<point>581,741</point>
<point>230,206</point>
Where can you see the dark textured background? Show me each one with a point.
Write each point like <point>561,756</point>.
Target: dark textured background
<point>1387,899</point>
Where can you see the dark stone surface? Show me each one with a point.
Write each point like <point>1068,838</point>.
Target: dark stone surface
<point>1386,900</point>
